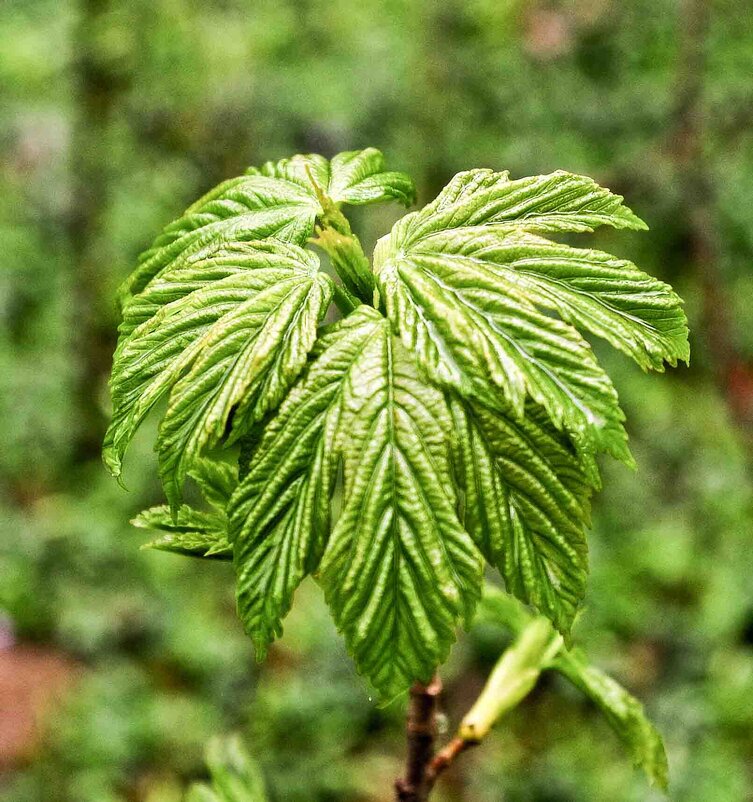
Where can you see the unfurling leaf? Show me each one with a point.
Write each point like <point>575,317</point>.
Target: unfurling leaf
<point>622,710</point>
<point>280,200</point>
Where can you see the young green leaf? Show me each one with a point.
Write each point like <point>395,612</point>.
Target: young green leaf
<point>399,571</point>
<point>622,710</point>
<point>463,281</point>
<point>526,504</point>
<point>560,201</point>
<point>248,360</point>
<point>609,297</point>
<point>279,516</point>
<point>196,533</point>
<point>237,332</point>
<point>279,200</point>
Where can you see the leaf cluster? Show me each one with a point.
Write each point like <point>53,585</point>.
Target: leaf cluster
<point>452,416</point>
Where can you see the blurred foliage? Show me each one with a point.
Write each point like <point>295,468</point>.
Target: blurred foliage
<point>104,103</point>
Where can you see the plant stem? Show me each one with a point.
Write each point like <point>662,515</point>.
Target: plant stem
<point>348,259</point>
<point>512,679</point>
<point>421,732</point>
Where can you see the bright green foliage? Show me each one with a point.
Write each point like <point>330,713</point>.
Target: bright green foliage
<point>234,775</point>
<point>526,501</point>
<point>280,200</point>
<point>621,709</point>
<point>464,281</point>
<point>196,533</point>
<point>455,418</point>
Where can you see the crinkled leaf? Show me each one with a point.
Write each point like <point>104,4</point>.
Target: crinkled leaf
<point>526,495</point>
<point>235,777</point>
<point>195,533</point>
<point>464,281</point>
<point>279,515</point>
<point>238,336</point>
<point>474,333</point>
<point>248,360</point>
<point>277,200</point>
<point>399,571</point>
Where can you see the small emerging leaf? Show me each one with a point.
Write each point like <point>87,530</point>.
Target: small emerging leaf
<point>622,710</point>
<point>191,532</point>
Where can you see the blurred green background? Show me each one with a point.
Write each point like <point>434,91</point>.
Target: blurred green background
<point>113,117</point>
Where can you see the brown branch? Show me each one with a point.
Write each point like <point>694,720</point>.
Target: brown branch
<point>421,730</point>
<point>445,758</point>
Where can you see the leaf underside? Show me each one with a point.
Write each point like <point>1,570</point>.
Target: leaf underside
<point>457,419</point>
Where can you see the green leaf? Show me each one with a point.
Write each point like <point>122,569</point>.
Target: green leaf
<point>399,572</point>
<point>527,498</point>
<point>277,200</point>
<point>279,516</point>
<point>236,333</point>
<point>622,710</point>
<point>194,533</point>
<point>469,288</point>
<point>235,777</point>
